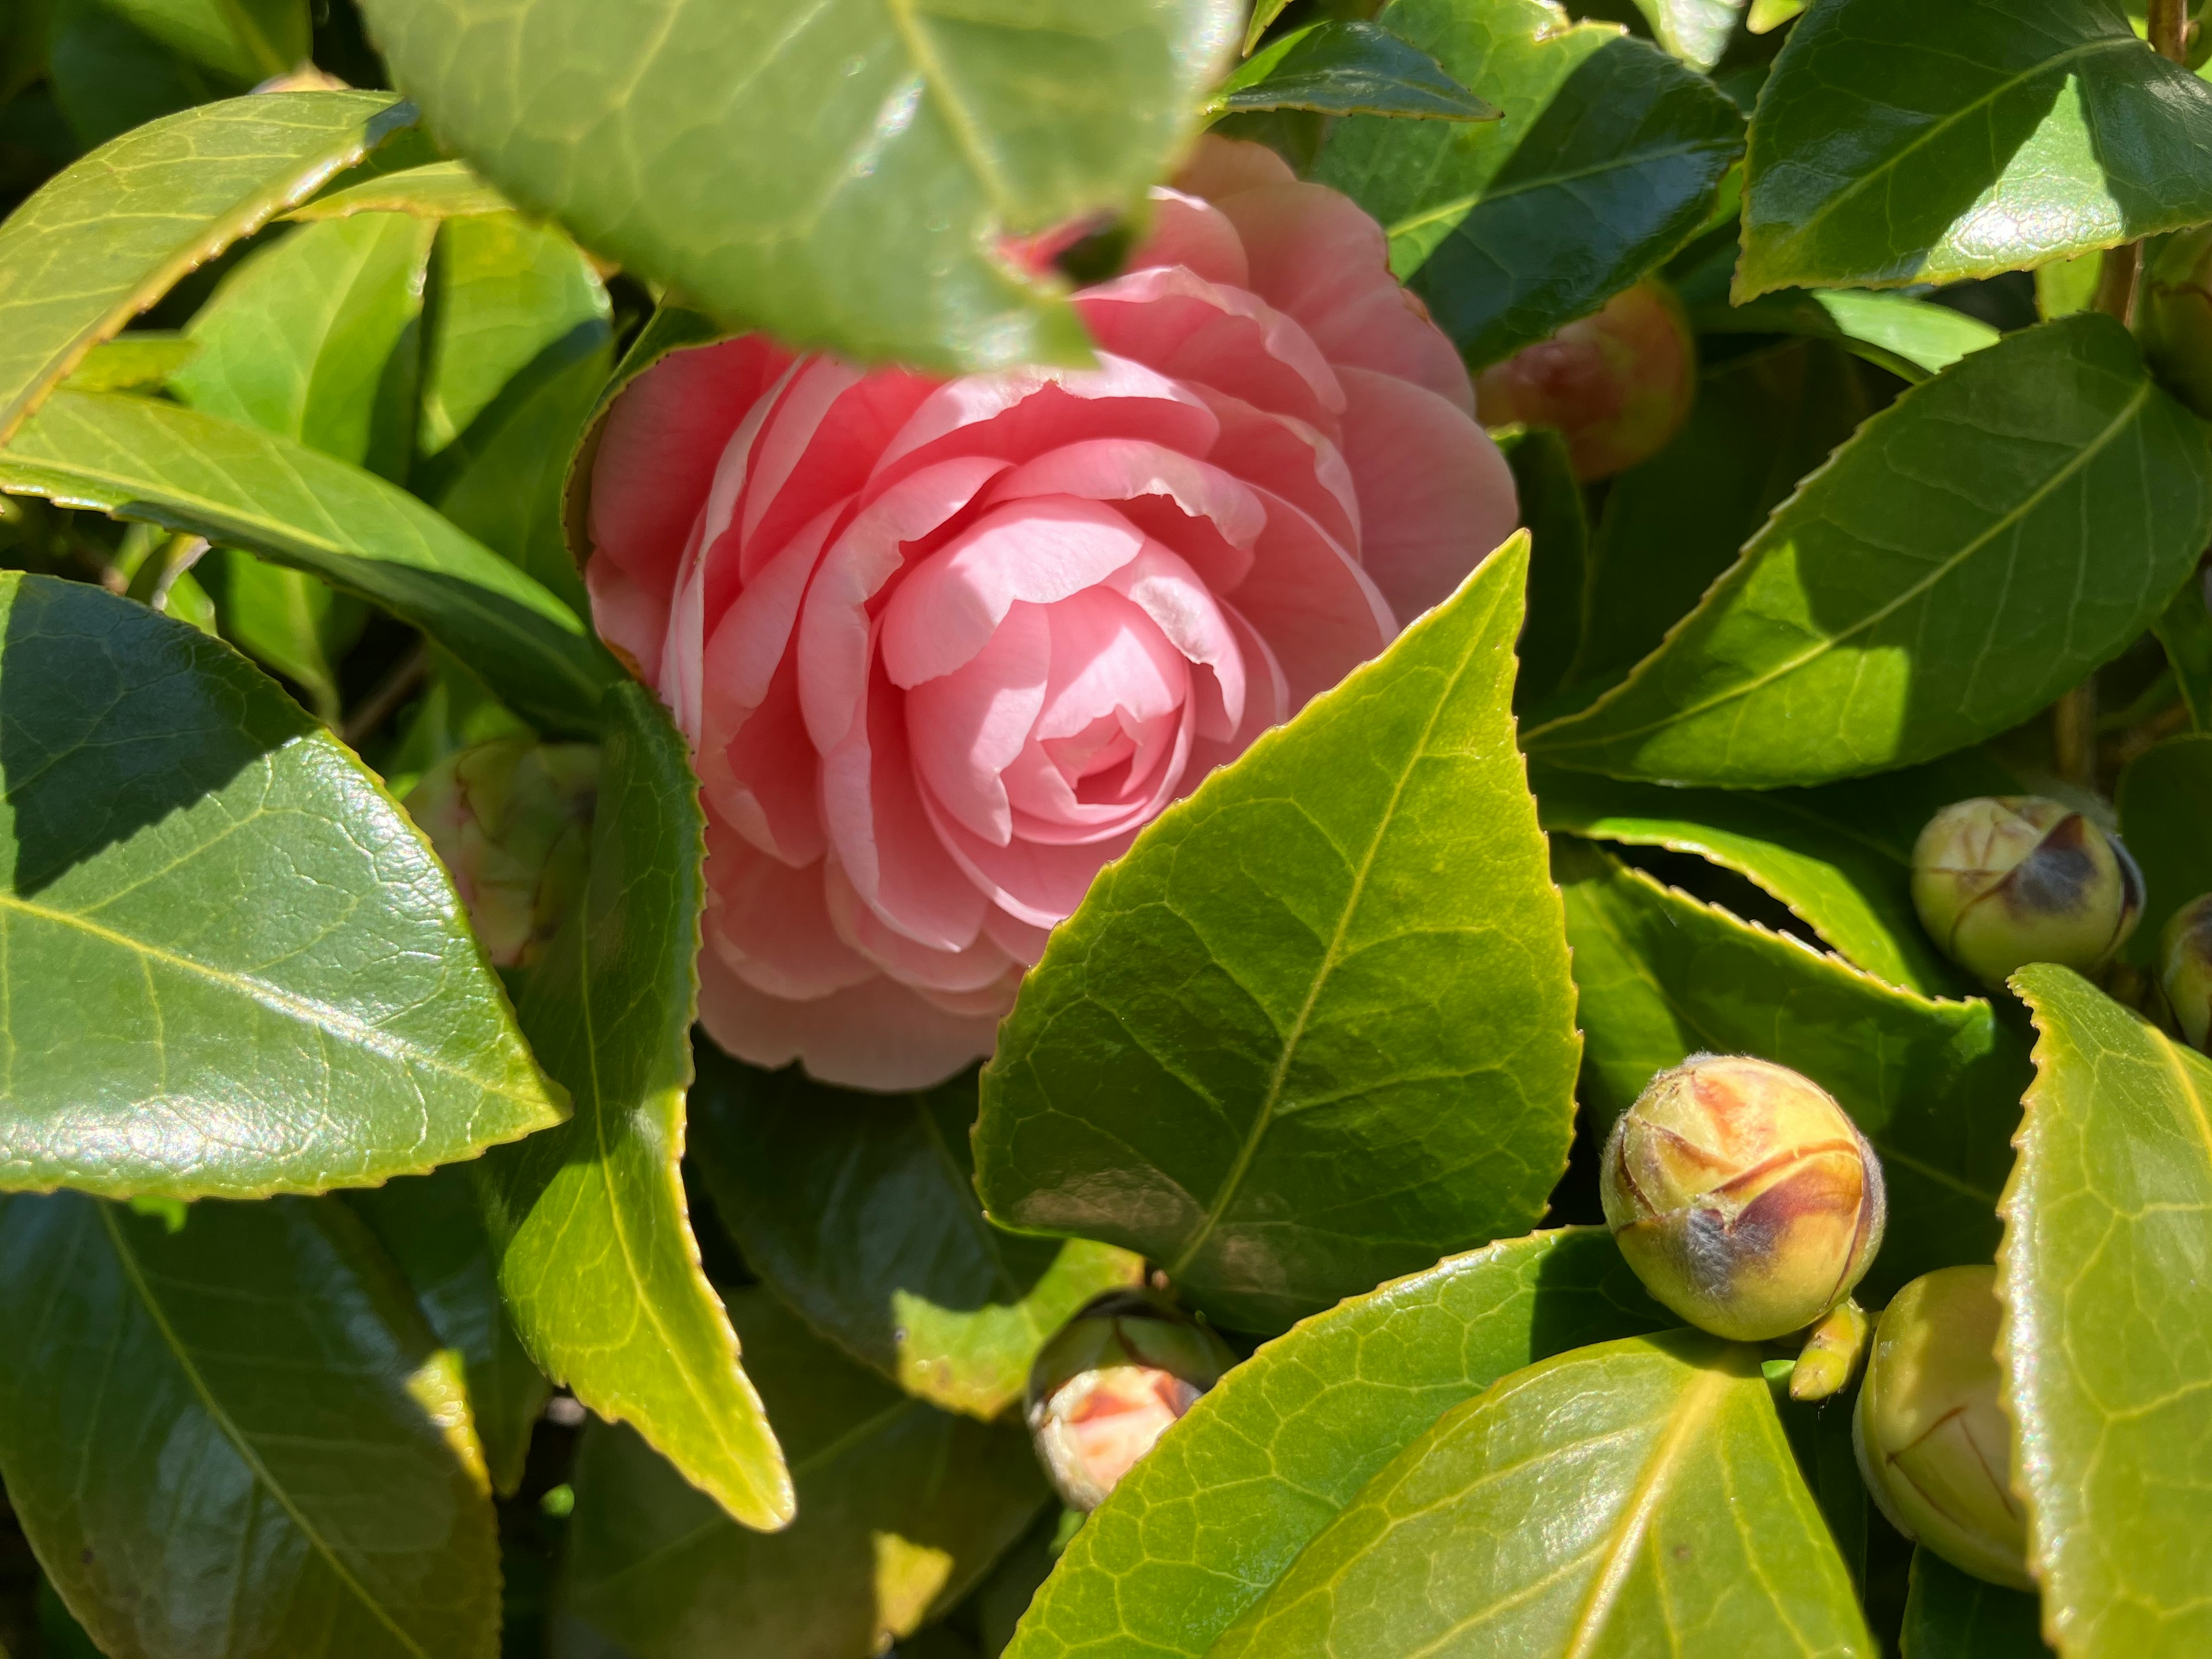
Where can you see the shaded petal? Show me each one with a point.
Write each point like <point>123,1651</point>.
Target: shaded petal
<point>1222,167</point>
<point>1313,604</point>
<point>877,1035</point>
<point>1191,232</point>
<point>1225,337</point>
<point>821,445</point>
<point>966,728</point>
<point>763,780</point>
<point>630,616</point>
<point>770,923</point>
<point>982,967</point>
<point>1298,462</point>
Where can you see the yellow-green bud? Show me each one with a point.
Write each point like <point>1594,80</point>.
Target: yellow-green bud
<point>511,820</point>
<point>1742,1195</point>
<point>1832,1353</point>
<point>1934,1445</point>
<point>2185,970</point>
<point>2003,881</point>
<point>1111,1383</point>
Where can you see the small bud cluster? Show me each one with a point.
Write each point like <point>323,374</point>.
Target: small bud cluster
<point>511,821</point>
<point>2002,882</point>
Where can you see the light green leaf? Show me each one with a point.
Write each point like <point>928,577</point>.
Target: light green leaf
<point>2165,801</point>
<point>163,1036</point>
<point>1264,13</point>
<point>1198,1532</point>
<point>1912,338</point>
<point>1606,162</point>
<point>441,190</point>
<point>2107,1335</point>
<point>859,1211</point>
<point>1897,143</point>
<point>1316,1026</point>
<point>902,1508</point>
<point>1980,546</point>
<point>1635,1497</point>
<point>595,1251</point>
<point>238,1439</point>
<point>103,240</point>
<point>1950,1614</point>
<point>245,40</point>
<point>140,360</point>
<point>1696,31</point>
<point>839,175</point>
<point>434,1231</point>
<point>136,458</point>
<point>1341,67</point>
<point>1934,1085</point>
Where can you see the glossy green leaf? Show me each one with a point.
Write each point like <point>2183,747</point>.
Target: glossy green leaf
<point>136,458</point>
<point>2185,631</point>
<point>106,238</point>
<point>136,360</point>
<point>108,77</point>
<point>1950,1614</point>
<point>434,1231</point>
<point>1264,13</point>
<point>839,176</point>
<point>1912,338</point>
<point>2107,1335</point>
<point>902,1508</point>
<point>439,189</point>
<point>245,40</point>
<point>2165,801</point>
<point>1631,1497</point>
<point>1897,143</point>
<point>859,1211</point>
<point>1934,1085</point>
<point>1199,1531</point>
<point>238,1439</point>
<point>164,1037</point>
<point>1855,895</point>
<point>1670,528</point>
<point>1341,67</point>
<point>1696,31</point>
<point>1821,1435</point>
<point>1979,546</point>
<point>1606,162</point>
<point>1554,513</point>
<point>286,620</point>
<point>595,1251</point>
<point>1316,1026</point>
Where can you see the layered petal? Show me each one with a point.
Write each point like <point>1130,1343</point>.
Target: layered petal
<point>876,1034</point>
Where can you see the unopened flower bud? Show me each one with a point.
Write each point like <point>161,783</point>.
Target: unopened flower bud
<point>1111,1382</point>
<point>2185,962</point>
<point>1743,1197</point>
<point>1933,1443</point>
<point>511,820</point>
<point>1618,384</point>
<point>2003,881</point>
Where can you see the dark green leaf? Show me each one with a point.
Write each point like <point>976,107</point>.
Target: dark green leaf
<point>440,189</point>
<point>1316,1026</point>
<point>1634,1496</point>
<point>288,620</point>
<point>1934,1085</point>
<point>1978,547</point>
<point>1696,31</point>
<point>1897,141</point>
<point>453,712</point>
<point>1950,1614</point>
<point>1606,161</point>
<point>1264,13</point>
<point>434,1231</point>
<point>108,75</point>
<point>139,459</point>
<point>1199,1530</point>
<point>243,40</point>
<point>165,1036</point>
<point>106,238</point>
<point>2164,801</point>
<point>238,1438</point>
<point>595,1251</point>
<point>839,176</point>
<point>2107,1336</point>
<point>859,1211</point>
<point>1348,69</point>
<point>902,1509</point>
<point>1557,522</point>
<point>2185,631</point>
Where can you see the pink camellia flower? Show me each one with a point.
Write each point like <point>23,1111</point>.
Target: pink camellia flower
<point>942,647</point>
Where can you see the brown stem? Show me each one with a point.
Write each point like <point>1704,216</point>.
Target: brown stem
<point>2116,280</point>
<point>387,697</point>
<point>2169,29</point>
<point>2074,734</point>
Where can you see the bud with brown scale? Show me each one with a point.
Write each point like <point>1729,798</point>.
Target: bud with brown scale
<point>2184,963</point>
<point>2003,881</point>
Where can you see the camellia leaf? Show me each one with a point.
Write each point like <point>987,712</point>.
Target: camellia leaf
<point>166,1034</point>
<point>1317,1024</point>
<point>1977,548</point>
<point>141,358</point>
<point>245,40</point>
<point>440,189</point>
<point>854,194</point>
<point>1606,160</point>
<point>1608,1500</point>
<point>2164,801</point>
<point>1557,518</point>
<point>2107,1335</point>
<point>1935,1086</point>
<point>1912,338</point>
<point>596,1256</point>
<point>139,459</point>
<point>104,239</point>
<point>433,1231</point>
<point>1196,1532</point>
<point>1340,68</point>
<point>236,1436</point>
<point>2185,631</point>
<point>1900,143</point>
<point>859,1211</point>
<point>1695,31</point>
<point>1950,1614</point>
<point>902,1508</point>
